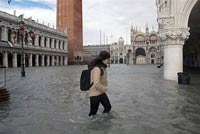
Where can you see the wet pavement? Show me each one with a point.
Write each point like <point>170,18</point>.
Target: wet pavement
<point>48,101</point>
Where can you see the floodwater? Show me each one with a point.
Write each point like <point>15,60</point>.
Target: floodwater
<point>49,101</point>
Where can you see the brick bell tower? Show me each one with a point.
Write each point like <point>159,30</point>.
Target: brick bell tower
<point>69,18</point>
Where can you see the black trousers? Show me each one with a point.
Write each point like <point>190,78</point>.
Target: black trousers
<point>96,100</point>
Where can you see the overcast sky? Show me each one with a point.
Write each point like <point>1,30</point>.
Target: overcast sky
<point>113,17</point>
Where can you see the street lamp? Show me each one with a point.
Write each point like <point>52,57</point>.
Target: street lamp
<point>20,34</point>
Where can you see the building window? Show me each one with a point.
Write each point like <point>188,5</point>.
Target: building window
<point>55,41</point>
<point>45,41</point>
<point>153,55</point>
<point>59,45</point>
<point>33,41</point>
<point>9,34</point>
<point>39,40</point>
<point>63,45</point>
<point>26,38</point>
<point>18,37</point>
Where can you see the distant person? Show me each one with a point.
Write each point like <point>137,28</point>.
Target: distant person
<point>97,92</point>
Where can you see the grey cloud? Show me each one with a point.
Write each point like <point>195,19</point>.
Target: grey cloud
<point>115,16</point>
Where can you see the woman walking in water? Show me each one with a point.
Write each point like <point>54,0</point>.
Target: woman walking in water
<point>97,92</point>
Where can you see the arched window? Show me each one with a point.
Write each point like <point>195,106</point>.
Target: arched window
<point>9,34</point>
<point>45,41</point>
<point>140,51</point>
<point>55,41</point>
<point>26,38</point>
<point>152,49</point>
<point>153,55</point>
<point>59,45</point>
<point>39,39</point>
<point>63,45</point>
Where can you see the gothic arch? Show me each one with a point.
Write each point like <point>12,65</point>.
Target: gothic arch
<point>140,37</point>
<point>152,49</point>
<point>140,51</point>
<point>185,13</point>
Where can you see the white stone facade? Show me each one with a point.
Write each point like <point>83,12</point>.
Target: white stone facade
<point>174,29</point>
<point>121,53</point>
<point>48,48</point>
<point>146,47</point>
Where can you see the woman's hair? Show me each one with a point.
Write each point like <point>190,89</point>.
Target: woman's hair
<point>99,60</point>
<point>95,62</point>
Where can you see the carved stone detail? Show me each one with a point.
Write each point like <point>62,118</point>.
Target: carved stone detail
<point>166,21</point>
<point>174,34</point>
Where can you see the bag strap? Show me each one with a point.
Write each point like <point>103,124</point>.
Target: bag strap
<point>102,72</point>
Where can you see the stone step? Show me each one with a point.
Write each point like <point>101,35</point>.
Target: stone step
<point>4,95</point>
<point>4,99</point>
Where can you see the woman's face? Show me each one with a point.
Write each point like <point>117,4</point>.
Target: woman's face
<point>106,61</point>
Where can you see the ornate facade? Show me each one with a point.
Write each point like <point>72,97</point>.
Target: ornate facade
<point>179,26</point>
<point>47,48</point>
<point>121,53</point>
<point>146,47</point>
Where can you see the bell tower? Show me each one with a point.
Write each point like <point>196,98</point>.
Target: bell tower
<point>69,18</point>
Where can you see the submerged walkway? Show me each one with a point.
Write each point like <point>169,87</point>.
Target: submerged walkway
<point>48,101</point>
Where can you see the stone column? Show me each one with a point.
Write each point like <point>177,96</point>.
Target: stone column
<point>30,60</point>
<point>4,34</point>
<point>173,41</point>
<point>66,61</point>
<point>36,40</point>
<point>48,60</point>
<point>57,58</point>
<point>15,60</point>
<point>48,39</point>
<point>57,44</point>
<point>65,45</point>
<point>36,60</point>
<point>52,60</point>
<point>61,61</point>
<point>52,43</point>
<point>5,59</point>
<point>42,41</point>
<point>42,60</point>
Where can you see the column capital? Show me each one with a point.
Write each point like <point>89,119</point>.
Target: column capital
<point>174,36</point>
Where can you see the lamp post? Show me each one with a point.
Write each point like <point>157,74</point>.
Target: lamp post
<point>20,34</point>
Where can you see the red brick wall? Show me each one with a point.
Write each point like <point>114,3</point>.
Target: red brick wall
<point>69,15</point>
